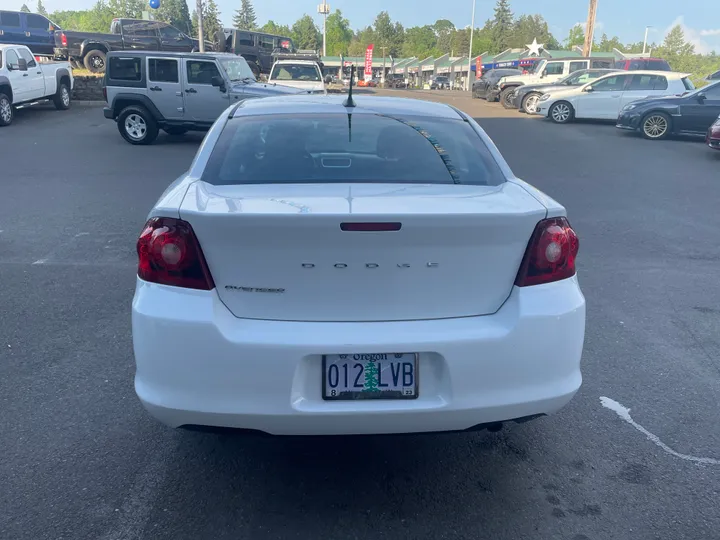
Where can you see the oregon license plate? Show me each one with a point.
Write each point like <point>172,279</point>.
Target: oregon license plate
<point>370,376</point>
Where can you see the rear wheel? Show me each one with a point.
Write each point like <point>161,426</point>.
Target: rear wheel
<point>506,98</point>
<point>6,110</point>
<point>561,112</point>
<point>655,126</point>
<point>136,125</point>
<point>530,102</point>
<point>95,61</point>
<point>61,99</point>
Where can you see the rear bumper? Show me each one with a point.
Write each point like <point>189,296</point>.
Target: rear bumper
<point>108,113</point>
<point>60,53</point>
<point>199,365</point>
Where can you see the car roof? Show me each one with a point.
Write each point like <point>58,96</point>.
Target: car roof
<point>168,54</point>
<point>303,62</point>
<point>668,74</point>
<point>333,104</point>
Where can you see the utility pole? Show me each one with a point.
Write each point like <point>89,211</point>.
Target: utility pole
<point>324,9</point>
<point>383,50</point>
<point>590,28</point>
<point>472,30</point>
<point>646,35</point>
<point>201,34</point>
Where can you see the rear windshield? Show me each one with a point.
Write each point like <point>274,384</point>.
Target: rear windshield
<point>362,148</point>
<point>689,86</point>
<point>658,65</point>
<point>300,72</point>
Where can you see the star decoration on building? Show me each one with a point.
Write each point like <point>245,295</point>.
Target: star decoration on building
<point>535,47</point>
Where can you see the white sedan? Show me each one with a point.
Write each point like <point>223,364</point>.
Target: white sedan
<point>372,268</point>
<point>604,98</point>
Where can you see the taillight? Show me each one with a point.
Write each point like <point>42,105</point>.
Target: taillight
<point>550,254</point>
<point>63,39</point>
<point>169,253</point>
<point>105,93</point>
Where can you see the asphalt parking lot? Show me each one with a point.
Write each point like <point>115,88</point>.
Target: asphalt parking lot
<point>81,459</point>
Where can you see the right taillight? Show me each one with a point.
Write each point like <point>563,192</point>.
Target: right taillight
<point>550,254</point>
<point>169,253</point>
<point>63,39</point>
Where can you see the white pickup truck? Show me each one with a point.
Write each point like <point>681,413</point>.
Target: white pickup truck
<point>24,80</point>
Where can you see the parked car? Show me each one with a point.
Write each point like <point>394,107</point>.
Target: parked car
<point>257,48</point>
<point>176,92</point>
<point>546,71</point>
<point>301,74</point>
<point>712,138</point>
<point>287,285</point>
<point>483,86</point>
<point>33,30</point>
<point>525,97</point>
<point>396,80</point>
<point>603,98</point>
<point>24,80</point>
<point>440,83</point>
<point>645,64</point>
<point>90,48</point>
<point>690,114</point>
<point>713,76</point>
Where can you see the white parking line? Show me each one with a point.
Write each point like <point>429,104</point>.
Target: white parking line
<point>624,413</point>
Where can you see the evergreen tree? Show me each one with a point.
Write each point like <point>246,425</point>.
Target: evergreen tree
<point>576,37</point>
<point>244,18</point>
<point>306,34</point>
<point>371,373</point>
<point>41,8</point>
<point>175,13</point>
<point>444,31</point>
<point>25,8</point>
<point>387,35</point>
<point>130,9</point>
<point>211,20</point>
<point>502,25</point>
<point>339,34</point>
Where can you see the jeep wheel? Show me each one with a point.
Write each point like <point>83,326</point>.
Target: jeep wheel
<point>136,125</point>
<point>61,99</point>
<point>95,61</point>
<point>506,98</point>
<point>6,111</point>
<point>176,130</point>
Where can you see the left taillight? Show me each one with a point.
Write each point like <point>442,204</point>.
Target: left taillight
<point>550,254</point>
<point>169,254</point>
<point>105,93</point>
<point>63,39</point>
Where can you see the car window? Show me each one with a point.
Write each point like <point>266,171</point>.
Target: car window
<point>636,65</point>
<point>714,76</point>
<point>141,29</point>
<point>266,42</point>
<point>282,43</point>
<point>620,64</point>
<point>327,148</point>
<point>9,19</point>
<point>689,86</point>
<point>577,66</point>
<point>658,65</point>
<point>25,55</point>
<point>712,92</point>
<point>555,68</point>
<point>12,59</point>
<point>289,72</point>
<point>647,82</point>
<point>610,84</point>
<point>37,22</point>
<point>601,64</point>
<point>200,72</point>
<point>246,40</point>
<point>169,32</point>
<point>163,70</point>
<point>124,69</point>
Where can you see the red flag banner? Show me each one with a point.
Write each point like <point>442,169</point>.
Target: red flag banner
<point>478,67</point>
<point>368,60</point>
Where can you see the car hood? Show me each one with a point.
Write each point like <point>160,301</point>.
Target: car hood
<point>308,86</point>
<point>260,89</point>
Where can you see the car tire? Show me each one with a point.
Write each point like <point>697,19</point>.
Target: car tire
<point>561,112</point>
<point>175,130</point>
<point>529,102</point>
<point>655,126</point>
<point>7,113</point>
<point>94,61</point>
<point>137,125</point>
<point>62,98</point>
<point>506,99</point>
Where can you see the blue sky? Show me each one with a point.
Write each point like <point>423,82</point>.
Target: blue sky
<point>624,18</point>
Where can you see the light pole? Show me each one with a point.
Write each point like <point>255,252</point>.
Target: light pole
<point>201,34</point>
<point>472,30</point>
<point>323,9</point>
<point>645,40</point>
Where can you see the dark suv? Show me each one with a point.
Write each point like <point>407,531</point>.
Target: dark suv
<point>635,64</point>
<point>256,47</point>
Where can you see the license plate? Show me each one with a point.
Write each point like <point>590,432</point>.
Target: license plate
<point>370,376</point>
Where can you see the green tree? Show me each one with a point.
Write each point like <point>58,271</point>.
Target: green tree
<point>444,32</point>
<point>95,19</point>
<point>244,18</point>
<point>338,34</point>
<point>211,20</point>
<point>388,35</point>
<point>576,37</point>
<point>529,27</point>
<point>25,8</point>
<point>306,34</point>
<point>271,27</point>
<point>460,45</point>
<point>130,9</point>
<point>608,44</point>
<point>420,41</point>
<point>176,13</point>
<point>675,45</point>
<point>502,25</point>
<point>360,41</point>
<point>371,376</point>
<point>41,8</point>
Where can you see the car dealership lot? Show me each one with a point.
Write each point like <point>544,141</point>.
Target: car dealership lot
<point>82,459</point>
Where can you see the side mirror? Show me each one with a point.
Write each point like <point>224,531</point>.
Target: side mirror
<point>701,97</point>
<point>588,89</point>
<point>22,64</point>
<point>219,82</point>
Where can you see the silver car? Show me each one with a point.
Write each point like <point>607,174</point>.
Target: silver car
<point>147,91</point>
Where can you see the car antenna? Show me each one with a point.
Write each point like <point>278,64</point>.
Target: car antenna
<point>349,101</point>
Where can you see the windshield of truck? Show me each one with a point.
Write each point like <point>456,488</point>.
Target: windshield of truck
<point>295,72</point>
<point>236,68</point>
<point>539,66</point>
